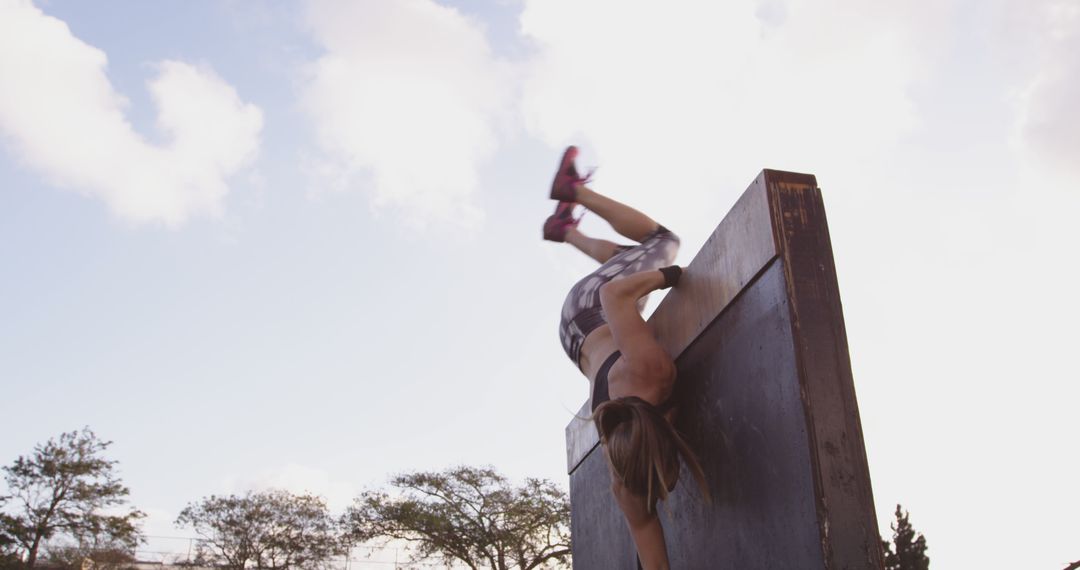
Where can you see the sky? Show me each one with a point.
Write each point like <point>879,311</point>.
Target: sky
<point>297,244</point>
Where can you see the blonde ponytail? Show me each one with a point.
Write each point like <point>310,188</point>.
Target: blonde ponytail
<point>644,449</point>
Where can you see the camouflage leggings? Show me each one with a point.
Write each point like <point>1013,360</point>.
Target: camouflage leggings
<point>582,313</point>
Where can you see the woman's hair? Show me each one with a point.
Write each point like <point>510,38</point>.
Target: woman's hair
<point>643,448</point>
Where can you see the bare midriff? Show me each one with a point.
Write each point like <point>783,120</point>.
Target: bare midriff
<point>596,348</point>
<point>594,351</point>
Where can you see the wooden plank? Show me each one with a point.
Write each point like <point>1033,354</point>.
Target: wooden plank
<point>738,249</point>
<point>740,409</point>
<point>848,523</point>
<point>598,536</point>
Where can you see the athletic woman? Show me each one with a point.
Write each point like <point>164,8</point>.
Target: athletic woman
<point>631,375</point>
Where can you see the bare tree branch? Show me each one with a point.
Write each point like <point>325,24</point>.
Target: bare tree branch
<point>472,515</point>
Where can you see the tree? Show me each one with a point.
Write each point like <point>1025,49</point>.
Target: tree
<point>272,529</point>
<point>63,489</point>
<point>473,515</point>
<point>910,552</point>
<point>9,548</point>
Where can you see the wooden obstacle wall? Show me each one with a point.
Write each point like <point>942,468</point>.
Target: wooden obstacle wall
<point>766,399</point>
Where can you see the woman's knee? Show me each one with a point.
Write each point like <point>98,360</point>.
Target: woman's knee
<point>609,293</point>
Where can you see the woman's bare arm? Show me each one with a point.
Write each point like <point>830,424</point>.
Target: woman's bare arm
<point>645,528</point>
<point>648,360</point>
<point>645,357</point>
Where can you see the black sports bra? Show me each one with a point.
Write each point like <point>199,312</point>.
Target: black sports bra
<point>600,392</point>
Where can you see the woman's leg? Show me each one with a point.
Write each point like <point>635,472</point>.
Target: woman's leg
<point>599,249</point>
<point>624,219</point>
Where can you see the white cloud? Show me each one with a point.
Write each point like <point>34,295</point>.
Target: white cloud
<point>60,113</point>
<point>408,94</point>
<point>297,479</point>
<point>1048,126</point>
<point>684,94</point>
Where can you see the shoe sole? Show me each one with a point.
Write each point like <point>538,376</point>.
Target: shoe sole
<point>568,158</point>
<point>556,225</point>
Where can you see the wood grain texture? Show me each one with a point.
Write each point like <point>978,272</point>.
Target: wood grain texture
<point>598,535</point>
<point>738,249</point>
<point>848,523</point>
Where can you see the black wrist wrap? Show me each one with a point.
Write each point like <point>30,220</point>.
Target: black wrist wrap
<point>671,275</point>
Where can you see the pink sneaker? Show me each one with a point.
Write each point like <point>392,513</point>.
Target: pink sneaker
<point>566,178</point>
<point>563,219</point>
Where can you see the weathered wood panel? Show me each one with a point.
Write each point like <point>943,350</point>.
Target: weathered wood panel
<point>845,499</point>
<point>766,399</point>
<point>736,251</point>
<point>599,537</point>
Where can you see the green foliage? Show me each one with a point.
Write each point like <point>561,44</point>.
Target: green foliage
<point>910,550</point>
<point>472,515</point>
<point>9,555</point>
<point>61,491</point>
<point>273,529</point>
